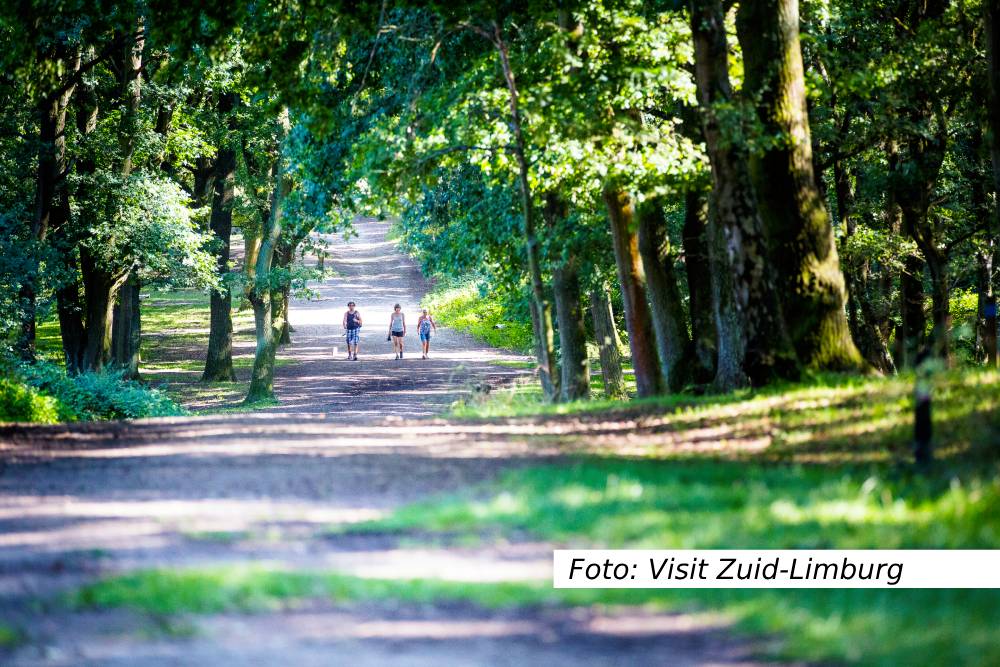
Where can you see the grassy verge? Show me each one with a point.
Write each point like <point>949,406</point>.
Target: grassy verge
<point>833,475</point>
<point>175,325</point>
<point>888,627</point>
<point>463,308</point>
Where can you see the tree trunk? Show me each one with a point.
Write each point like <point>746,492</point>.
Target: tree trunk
<point>71,329</point>
<point>50,192</point>
<point>606,335</point>
<point>71,303</point>
<point>699,278</point>
<point>127,314</point>
<point>262,376</point>
<point>800,236</point>
<point>730,343</point>
<point>673,344</point>
<point>910,337</point>
<point>126,328</point>
<point>542,321</point>
<point>937,269</point>
<point>766,353</point>
<point>100,288</point>
<point>986,316</point>
<point>993,116</point>
<point>575,365</point>
<point>638,318</point>
<point>219,357</point>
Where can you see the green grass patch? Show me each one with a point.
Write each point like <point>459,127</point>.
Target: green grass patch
<point>888,627</point>
<point>218,536</point>
<point>465,309</point>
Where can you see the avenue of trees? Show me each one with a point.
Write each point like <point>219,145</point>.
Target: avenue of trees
<point>755,190</point>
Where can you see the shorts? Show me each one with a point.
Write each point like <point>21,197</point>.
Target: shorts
<point>425,337</point>
<point>398,334</point>
<point>353,336</point>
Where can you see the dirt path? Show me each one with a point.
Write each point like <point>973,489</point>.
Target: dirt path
<point>79,502</point>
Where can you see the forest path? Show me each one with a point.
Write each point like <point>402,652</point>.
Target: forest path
<point>78,502</point>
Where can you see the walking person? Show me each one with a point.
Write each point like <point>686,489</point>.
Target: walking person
<point>352,328</point>
<point>397,330</point>
<point>424,325</point>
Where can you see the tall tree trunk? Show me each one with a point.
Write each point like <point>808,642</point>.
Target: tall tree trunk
<point>279,297</point>
<point>986,319</point>
<point>50,189</point>
<point>72,306</point>
<point>542,320</point>
<point>800,236</point>
<point>937,269</point>
<point>730,372</point>
<point>993,114</point>
<point>71,328</point>
<point>638,318</point>
<point>127,315</point>
<point>673,344</point>
<point>913,321</point>
<point>766,353</point>
<point>126,328</point>
<point>608,343</point>
<point>262,376</point>
<point>699,279</point>
<point>100,287</point>
<point>575,365</point>
<point>219,357</point>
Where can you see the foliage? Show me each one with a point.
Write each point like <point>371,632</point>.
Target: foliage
<point>86,397</point>
<point>474,310</point>
<point>23,403</point>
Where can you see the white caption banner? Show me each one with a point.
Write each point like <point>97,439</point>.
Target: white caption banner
<point>775,568</point>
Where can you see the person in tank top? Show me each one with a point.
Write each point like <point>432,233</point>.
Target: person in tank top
<point>397,330</point>
<point>352,328</point>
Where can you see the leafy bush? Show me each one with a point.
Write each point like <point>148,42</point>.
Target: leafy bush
<point>22,403</point>
<point>87,397</point>
<point>484,316</point>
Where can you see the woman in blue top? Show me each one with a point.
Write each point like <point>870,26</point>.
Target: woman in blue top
<point>424,325</point>
<point>397,329</point>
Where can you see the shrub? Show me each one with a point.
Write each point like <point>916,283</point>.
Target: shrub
<point>484,316</point>
<point>87,397</point>
<point>22,403</point>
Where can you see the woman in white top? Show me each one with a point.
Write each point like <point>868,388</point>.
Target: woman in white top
<point>397,329</point>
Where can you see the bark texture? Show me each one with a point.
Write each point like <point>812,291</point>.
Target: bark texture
<point>608,343</point>
<point>219,357</point>
<point>574,363</point>
<point>766,353</point>
<point>800,234</point>
<point>699,279</point>
<point>638,317</point>
<point>989,308</point>
<point>126,329</point>
<point>670,327</point>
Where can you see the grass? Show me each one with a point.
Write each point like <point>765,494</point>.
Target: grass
<point>834,475</point>
<point>890,626</point>
<point>175,326</point>
<point>462,308</point>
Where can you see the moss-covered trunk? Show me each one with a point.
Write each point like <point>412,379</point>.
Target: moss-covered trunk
<point>608,343</point>
<point>670,328</point>
<point>699,280</point>
<point>800,235</point>
<point>126,328</point>
<point>638,317</point>
<point>574,364</point>
<point>763,353</point>
<point>219,356</point>
<point>262,376</point>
